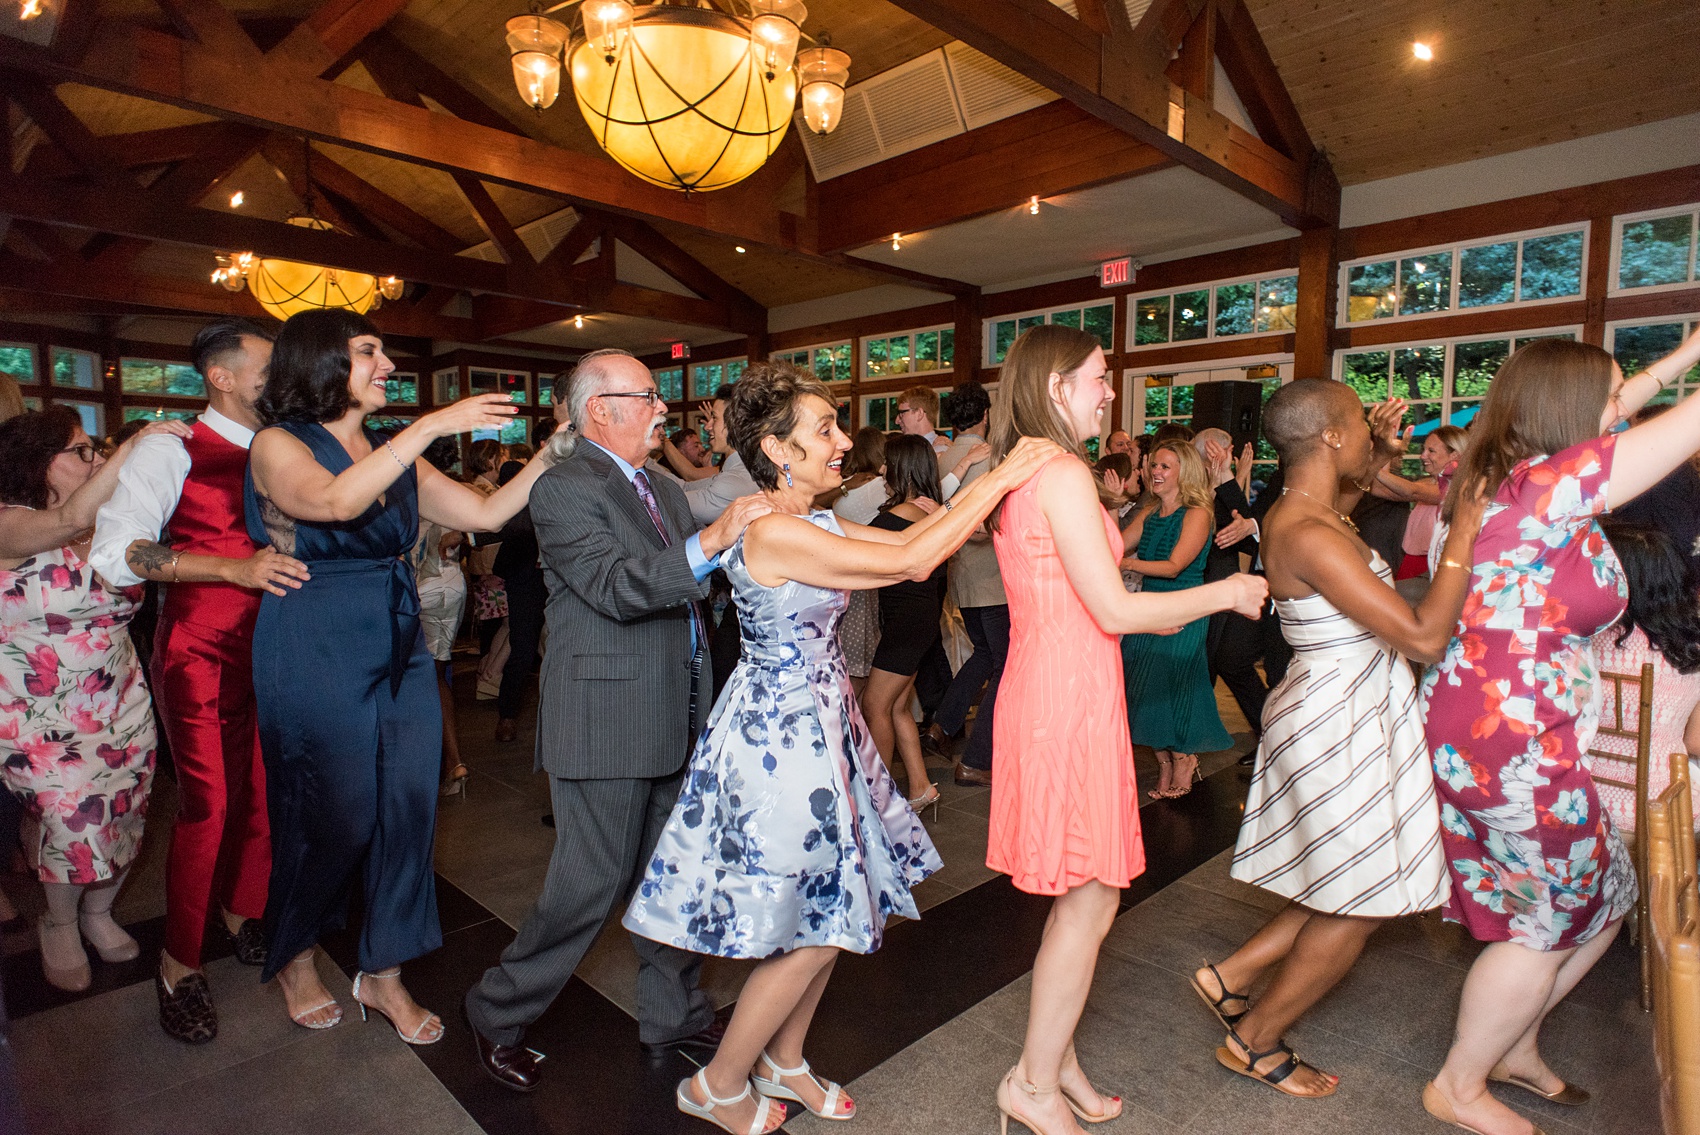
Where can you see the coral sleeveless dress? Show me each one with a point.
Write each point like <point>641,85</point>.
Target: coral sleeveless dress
<point>1065,809</point>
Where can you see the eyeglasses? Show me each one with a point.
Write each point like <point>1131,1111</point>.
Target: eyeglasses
<point>902,410</point>
<point>650,397</point>
<point>85,452</point>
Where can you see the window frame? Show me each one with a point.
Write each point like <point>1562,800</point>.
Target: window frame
<point>1687,320</point>
<point>1613,289</point>
<point>989,325</point>
<point>690,387</point>
<point>912,334</point>
<point>126,393</point>
<point>1456,249</point>
<point>34,377</point>
<point>97,370</point>
<point>813,364</point>
<point>1254,279</point>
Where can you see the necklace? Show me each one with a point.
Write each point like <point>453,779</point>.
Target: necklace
<point>1348,520</point>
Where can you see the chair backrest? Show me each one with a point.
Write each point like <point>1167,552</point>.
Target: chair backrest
<point>1629,721</point>
<point>1681,800</point>
<point>1674,925</point>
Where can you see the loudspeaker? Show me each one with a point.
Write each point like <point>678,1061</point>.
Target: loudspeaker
<point>1233,406</point>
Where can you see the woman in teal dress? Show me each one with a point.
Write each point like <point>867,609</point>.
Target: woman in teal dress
<point>1170,704</point>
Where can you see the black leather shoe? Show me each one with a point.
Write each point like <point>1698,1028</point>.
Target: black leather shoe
<point>970,777</point>
<point>507,730</point>
<point>250,942</point>
<point>705,1043</point>
<point>1248,760</point>
<point>187,1012</point>
<point>511,1065</point>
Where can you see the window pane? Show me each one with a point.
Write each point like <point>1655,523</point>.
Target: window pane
<point>735,370</point>
<point>947,348</point>
<point>1069,318</point>
<point>546,389</point>
<point>878,412</point>
<point>1277,303</point>
<point>1474,365</point>
<point>1101,321</point>
<point>824,364</point>
<point>93,417</point>
<point>1192,315</point>
<point>1027,323</point>
<point>670,383</point>
<point>1463,413</point>
<point>18,360</point>
<point>1156,403</point>
<point>1636,347</point>
<point>482,381</point>
<point>137,413</point>
<point>1419,372</point>
<point>515,385</point>
<point>1524,341</point>
<point>1425,283</point>
<point>706,378</point>
<point>875,353</point>
<point>1180,402</point>
<point>795,358</point>
<point>1369,291</point>
<point>1234,306</point>
<point>446,384</point>
<point>1655,252</point>
<point>75,369</point>
<point>1552,266</point>
<point>1003,334</point>
<point>1423,415</point>
<point>927,350</point>
<point>1487,275</point>
<point>1151,321</point>
<point>400,389</point>
<point>386,424</point>
<point>1367,373</point>
<point>154,376</point>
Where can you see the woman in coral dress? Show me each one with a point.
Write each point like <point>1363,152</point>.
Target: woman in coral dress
<point>1538,870</point>
<point>1065,818</point>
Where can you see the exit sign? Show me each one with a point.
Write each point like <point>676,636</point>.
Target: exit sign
<point>681,350</point>
<point>1115,273</point>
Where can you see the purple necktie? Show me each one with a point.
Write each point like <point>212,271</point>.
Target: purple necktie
<point>647,495</point>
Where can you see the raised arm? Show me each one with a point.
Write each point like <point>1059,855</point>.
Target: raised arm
<point>445,501</point>
<point>682,468</point>
<point>782,548</point>
<point>1069,499</point>
<point>1195,530</point>
<point>1393,487</point>
<point>1647,452</point>
<point>285,472</point>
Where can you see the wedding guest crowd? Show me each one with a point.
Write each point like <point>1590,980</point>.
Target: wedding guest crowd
<point>1415,748</point>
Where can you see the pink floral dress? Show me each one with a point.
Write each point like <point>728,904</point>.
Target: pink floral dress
<point>76,723</point>
<point>1512,708</point>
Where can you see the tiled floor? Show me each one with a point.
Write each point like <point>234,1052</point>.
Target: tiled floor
<point>920,1031</point>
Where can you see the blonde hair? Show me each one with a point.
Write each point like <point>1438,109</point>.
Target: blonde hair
<point>1195,479</point>
<point>924,399</point>
<point>11,398</point>
<point>1023,407</point>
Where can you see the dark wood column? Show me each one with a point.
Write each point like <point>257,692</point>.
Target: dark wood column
<point>1319,269</point>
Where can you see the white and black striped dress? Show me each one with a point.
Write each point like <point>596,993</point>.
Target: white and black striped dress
<point>1341,816</point>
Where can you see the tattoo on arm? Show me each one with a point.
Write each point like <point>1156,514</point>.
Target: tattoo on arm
<point>146,557</point>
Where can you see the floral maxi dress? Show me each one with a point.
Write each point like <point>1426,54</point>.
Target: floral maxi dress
<point>1512,709</point>
<point>76,724</point>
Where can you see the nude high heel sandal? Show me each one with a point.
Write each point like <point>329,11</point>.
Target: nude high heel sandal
<point>1007,1087</point>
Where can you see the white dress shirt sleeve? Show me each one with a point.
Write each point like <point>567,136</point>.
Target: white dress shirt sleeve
<point>149,486</point>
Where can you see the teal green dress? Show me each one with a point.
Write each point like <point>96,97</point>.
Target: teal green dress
<point>1170,703</point>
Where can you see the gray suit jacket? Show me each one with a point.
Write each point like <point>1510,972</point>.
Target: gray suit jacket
<point>616,683</point>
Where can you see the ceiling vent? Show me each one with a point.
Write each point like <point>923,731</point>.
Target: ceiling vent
<point>937,96</point>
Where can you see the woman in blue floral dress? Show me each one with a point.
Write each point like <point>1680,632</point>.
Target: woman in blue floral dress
<point>1538,871</point>
<point>790,842</point>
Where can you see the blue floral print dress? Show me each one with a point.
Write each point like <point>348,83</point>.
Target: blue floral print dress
<point>1513,706</point>
<point>788,832</point>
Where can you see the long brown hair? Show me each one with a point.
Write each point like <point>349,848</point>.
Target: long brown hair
<point>1545,398</point>
<point>1023,407</point>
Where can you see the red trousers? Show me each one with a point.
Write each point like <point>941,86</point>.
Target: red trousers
<point>203,685</point>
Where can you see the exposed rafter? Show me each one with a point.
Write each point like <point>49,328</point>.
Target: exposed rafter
<point>334,30</point>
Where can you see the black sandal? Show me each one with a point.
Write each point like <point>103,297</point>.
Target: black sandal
<point>1229,1020</point>
<point>1276,1076</point>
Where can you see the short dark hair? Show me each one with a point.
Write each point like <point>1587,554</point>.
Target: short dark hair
<point>442,454</point>
<point>724,392</point>
<point>969,402</point>
<point>483,455</point>
<point>222,336</point>
<point>1120,462</point>
<point>867,452</point>
<point>310,366</point>
<point>1298,412</point>
<point>911,470</point>
<point>1664,594</point>
<point>30,442</point>
<point>1171,431</point>
<point>764,403</point>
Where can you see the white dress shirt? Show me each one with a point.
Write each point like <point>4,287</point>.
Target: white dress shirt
<point>149,487</point>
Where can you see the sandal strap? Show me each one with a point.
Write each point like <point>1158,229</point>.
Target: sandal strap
<point>714,1101</point>
<point>1227,994</point>
<point>1275,1075</point>
<point>801,1070</point>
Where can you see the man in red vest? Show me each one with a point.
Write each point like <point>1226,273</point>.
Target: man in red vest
<point>177,518</point>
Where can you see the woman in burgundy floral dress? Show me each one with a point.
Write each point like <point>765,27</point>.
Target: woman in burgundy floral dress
<point>1538,870</point>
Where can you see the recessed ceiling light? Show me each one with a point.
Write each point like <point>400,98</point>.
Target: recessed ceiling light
<point>1033,205</point>
<point>236,199</point>
<point>578,322</point>
<point>739,248</point>
<point>897,242</point>
<point>1422,51</point>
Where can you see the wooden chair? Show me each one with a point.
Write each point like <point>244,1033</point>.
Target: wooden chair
<point>1613,724</point>
<point>1674,931</point>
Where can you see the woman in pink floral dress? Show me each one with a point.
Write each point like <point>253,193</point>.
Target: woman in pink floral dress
<point>1538,870</point>
<point>76,725</point>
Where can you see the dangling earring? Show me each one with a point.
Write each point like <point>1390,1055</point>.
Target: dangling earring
<point>787,470</point>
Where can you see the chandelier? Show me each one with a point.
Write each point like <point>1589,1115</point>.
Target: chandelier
<point>684,94</point>
<point>287,287</point>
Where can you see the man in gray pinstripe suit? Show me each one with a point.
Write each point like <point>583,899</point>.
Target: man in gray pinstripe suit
<point>619,705</point>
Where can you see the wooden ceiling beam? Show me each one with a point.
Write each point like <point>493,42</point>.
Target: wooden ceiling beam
<point>154,65</point>
<point>165,146</point>
<point>643,239</point>
<point>212,25</point>
<point>334,30</point>
<point>943,284</point>
<point>1044,152</point>
<point>1193,68</point>
<point>398,67</point>
<point>574,245</point>
<point>1251,70</point>
<point>377,204</point>
<point>493,221</point>
<point>65,129</point>
<point>1116,79</point>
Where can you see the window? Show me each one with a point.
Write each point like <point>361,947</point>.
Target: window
<point>1635,345</point>
<point>515,384</point>
<point>391,424</point>
<point>1218,311</point>
<point>1166,401</point>
<point>91,414</point>
<point>546,389</point>
<point>445,385</point>
<point>913,352</point>
<point>1444,381</point>
<point>77,369</point>
<point>706,378</point>
<point>155,376</point>
<point>402,389</point>
<point>158,414</point>
<point>18,360</point>
<point>880,411</point>
<point>517,430</point>
<point>670,381</point>
<point>1520,268</point>
<point>830,362</point>
<point>1654,250</point>
<point>1098,319</point>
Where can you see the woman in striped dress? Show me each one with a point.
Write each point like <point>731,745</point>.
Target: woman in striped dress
<point>1341,817</point>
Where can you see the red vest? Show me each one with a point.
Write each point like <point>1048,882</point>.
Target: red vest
<point>210,520</point>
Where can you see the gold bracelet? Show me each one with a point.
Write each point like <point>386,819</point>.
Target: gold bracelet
<point>1455,564</point>
<point>175,556</point>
